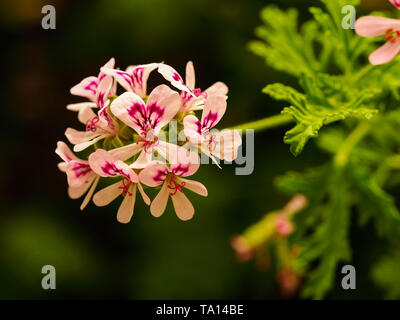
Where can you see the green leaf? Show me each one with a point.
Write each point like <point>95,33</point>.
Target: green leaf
<point>314,110</point>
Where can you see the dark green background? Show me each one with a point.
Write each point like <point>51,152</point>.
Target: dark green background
<point>165,258</point>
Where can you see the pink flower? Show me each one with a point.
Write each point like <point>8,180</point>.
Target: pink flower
<point>173,183</point>
<point>134,79</point>
<point>379,26</point>
<point>192,98</point>
<point>79,174</point>
<point>105,164</point>
<point>147,119</point>
<point>224,144</point>
<point>98,126</point>
<point>88,87</point>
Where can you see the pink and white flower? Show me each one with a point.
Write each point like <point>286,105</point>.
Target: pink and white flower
<point>378,26</point>
<point>80,176</point>
<point>134,79</point>
<point>173,183</point>
<point>100,125</point>
<point>147,119</point>
<point>192,98</point>
<point>223,145</point>
<point>105,164</point>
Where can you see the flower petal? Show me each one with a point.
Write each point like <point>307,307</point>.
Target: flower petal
<point>146,199</point>
<point>78,173</point>
<point>107,195</point>
<point>214,109</point>
<point>134,79</point>
<point>64,152</point>
<point>183,207</point>
<point>90,193</point>
<point>192,129</point>
<point>105,165</point>
<point>131,110</point>
<point>173,76</point>
<point>195,186</point>
<point>162,106</point>
<point>375,26</point>
<point>190,76</point>
<point>226,144</point>
<point>159,203</point>
<point>217,89</point>
<point>125,211</point>
<point>385,54</point>
<point>154,174</point>
<point>126,152</point>
<point>86,88</point>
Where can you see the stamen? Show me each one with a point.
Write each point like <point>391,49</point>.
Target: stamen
<point>173,185</point>
<point>91,124</point>
<point>125,186</point>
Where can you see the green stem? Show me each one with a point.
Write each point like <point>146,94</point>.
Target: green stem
<point>342,156</point>
<point>266,123</point>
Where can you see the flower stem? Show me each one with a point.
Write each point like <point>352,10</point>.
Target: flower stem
<point>266,123</point>
<point>342,156</point>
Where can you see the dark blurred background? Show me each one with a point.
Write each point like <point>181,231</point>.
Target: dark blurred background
<point>165,258</point>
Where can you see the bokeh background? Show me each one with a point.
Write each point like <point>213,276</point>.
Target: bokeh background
<point>165,258</point>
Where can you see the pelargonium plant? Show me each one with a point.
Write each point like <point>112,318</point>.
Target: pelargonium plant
<point>134,140</point>
<point>348,102</point>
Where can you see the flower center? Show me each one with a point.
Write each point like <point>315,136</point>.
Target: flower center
<point>175,187</point>
<point>392,35</point>
<point>125,186</point>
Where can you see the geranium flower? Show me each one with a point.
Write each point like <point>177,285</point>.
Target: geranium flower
<point>172,180</point>
<point>88,87</point>
<point>98,126</point>
<point>223,145</point>
<point>378,26</point>
<point>79,174</point>
<point>191,98</point>
<point>134,79</point>
<point>147,119</point>
<point>105,164</point>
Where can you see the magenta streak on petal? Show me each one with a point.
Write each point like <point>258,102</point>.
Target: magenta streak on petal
<point>198,124</point>
<point>177,77</point>
<point>397,3</point>
<point>160,176</point>
<point>81,169</point>
<point>100,100</point>
<point>154,114</point>
<point>180,170</point>
<point>102,76</point>
<point>90,86</point>
<point>138,113</point>
<point>127,77</point>
<point>111,169</point>
<point>209,120</point>
<point>146,117</point>
<point>137,76</point>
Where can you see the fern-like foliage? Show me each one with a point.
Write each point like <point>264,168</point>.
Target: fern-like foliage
<point>360,106</point>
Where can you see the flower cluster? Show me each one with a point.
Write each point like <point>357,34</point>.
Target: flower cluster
<point>125,138</point>
<point>380,26</point>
